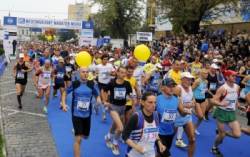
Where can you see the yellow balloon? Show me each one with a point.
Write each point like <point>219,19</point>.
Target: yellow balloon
<point>142,53</point>
<point>49,38</point>
<point>83,59</point>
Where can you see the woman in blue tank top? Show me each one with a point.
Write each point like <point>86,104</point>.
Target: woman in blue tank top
<point>199,89</point>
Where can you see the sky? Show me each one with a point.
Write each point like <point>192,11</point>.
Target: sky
<point>38,8</point>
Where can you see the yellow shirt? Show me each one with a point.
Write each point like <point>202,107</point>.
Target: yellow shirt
<point>148,68</point>
<point>98,60</point>
<point>195,69</point>
<point>176,76</point>
<point>132,82</point>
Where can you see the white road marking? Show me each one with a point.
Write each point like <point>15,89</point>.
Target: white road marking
<point>6,82</point>
<point>25,112</point>
<point>10,93</point>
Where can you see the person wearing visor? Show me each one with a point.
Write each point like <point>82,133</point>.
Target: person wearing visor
<point>184,91</point>
<point>167,106</point>
<point>20,73</point>
<point>226,100</point>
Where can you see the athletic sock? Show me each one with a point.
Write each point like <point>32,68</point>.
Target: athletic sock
<point>180,131</point>
<point>19,100</point>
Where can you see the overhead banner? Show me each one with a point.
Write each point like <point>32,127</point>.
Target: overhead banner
<point>162,24</point>
<point>42,23</point>
<point>144,36</point>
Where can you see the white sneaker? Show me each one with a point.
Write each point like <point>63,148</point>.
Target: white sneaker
<point>197,132</point>
<point>180,143</point>
<point>45,110</point>
<point>108,141</point>
<point>115,149</point>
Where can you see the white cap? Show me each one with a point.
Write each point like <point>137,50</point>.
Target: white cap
<point>111,59</point>
<point>158,65</point>
<point>21,55</point>
<point>187,75</point>
<point>215,66</point>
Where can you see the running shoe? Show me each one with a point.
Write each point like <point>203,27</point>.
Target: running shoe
<point>45,110</point>
<point>216,152</point>
<point>180,143</point>
<point>115,149</point>
<point>197,132</point>
<point>108,141</point>
<point>20,107</point>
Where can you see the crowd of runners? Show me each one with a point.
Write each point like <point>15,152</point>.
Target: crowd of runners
<point>205,75</point>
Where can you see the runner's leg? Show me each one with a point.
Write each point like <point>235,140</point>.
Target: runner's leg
<point>189,129</point>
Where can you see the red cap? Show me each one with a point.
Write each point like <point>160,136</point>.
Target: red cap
<point>229,73</point>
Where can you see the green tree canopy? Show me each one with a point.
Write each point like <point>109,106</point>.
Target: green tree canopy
<point>118,18</point>
<point>186,15</point>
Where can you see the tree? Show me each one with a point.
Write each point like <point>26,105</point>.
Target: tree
<point>67,35</point>
<point>118,18</point>
<point>186,15</point>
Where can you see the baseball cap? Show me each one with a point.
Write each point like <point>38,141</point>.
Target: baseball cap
<point>61,60</point>
<point>21,55</point>
<point>214,66</point>
<point>186,75</point>
<point>168,82</point>
<point>111,59</point>
<point>229,73</point>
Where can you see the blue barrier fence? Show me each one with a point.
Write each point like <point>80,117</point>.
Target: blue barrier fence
<point>2,64</point>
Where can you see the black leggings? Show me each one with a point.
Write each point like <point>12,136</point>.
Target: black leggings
<point>166,141</point>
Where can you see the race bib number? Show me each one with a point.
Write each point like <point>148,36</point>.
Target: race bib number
<point>20,75</point>
<point>46,75</point>
<point>212,86</point>
<point>60,75</point>
<point>119,93</point>
<point>83,105</point>
<point>168,115</point>
<point>68,69</point>
<point>231,104</point>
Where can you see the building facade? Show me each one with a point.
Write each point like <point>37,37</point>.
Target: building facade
<point>79,11</point>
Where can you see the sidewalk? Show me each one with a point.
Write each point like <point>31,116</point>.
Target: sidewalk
<point>26,132</point>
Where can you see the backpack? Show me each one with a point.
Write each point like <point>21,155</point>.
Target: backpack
<point>76,84</point>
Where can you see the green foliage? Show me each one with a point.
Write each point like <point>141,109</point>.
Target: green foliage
<point>186,15</point>
<point>1,51</point>
<point>118,18</point>
<point>42,37</point>
<point>64,36</point>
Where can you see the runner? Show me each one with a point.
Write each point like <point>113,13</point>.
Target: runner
<point>152,80</point>
<point>83,91</point>
<point>184,91</point>
<point>43,83</point>
<point>130,105</point>
<point>59,73</point>
<point>70,68</point>
<point>120,91</point>
<point>246,95</point>
<point>212,87</point>
<point>167,107</point>
<point>20,72</point>
<point>104,71</point>
<point>199,88</point>
<point>196,67</point>
<point>226,98</point>
<point>141,132</point>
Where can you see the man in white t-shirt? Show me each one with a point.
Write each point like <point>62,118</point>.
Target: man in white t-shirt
<point>104,72</point>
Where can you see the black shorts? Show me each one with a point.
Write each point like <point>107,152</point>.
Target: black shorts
<point>103,86</point>
<point>81,126</point>
<point>128,108</point>
<point>208,95</point>
<point>59,85</point>
<point>200,100</point>
<point>166,141</point>
<point>248,118</point>
<point>22,82</point>
<point>66,78</point>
